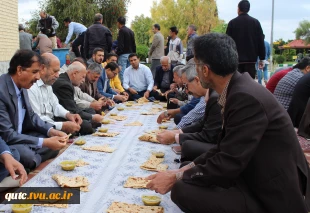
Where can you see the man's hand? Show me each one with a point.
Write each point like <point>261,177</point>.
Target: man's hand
<point>96,105</point>
<point>125,93</point>
<point>97,118</point>
<point>121,98</point>
<point>147,94</point>
<point>76,118</point>
<point>14,168</point>
<point>154,88</point>
<point>173,86</point>
<point>55,132</point>
<point>55,143</point>
<point>132,91</point>
<point>174,100</point>
<point>162,182</point>
<point>166,137</point>
<point>116,90</point>
<point>70,127</point>
<point>161,117</point>
<point>261,64</point>
<point>110,102</point>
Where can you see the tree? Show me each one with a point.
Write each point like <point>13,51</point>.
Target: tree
<point>81,11</point>
<point>181,13</point>
<point>220,27</point>
<point>142,26</point>
<point>303,31</point>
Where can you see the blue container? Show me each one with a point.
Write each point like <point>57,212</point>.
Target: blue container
<point>61,55</point>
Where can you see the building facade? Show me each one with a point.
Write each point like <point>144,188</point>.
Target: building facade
<point>9,37</point>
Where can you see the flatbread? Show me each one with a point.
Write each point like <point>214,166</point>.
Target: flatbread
<point>159,167</point>
<point>119,117</point>
<point>154,164</point>
<point>136,183</point>
<point>104,148</point>
<point>106,134</point>
<point>136,123</point>
<point>154,132</point>
<point>149,113</point>
<point>64,206</point>
<point>142,100</point>
<point>80,163</point>
<point>149,138</point>
<point>119,207</point>
<point>78,181</point>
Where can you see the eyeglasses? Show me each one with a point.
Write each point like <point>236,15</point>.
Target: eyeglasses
<point>114,73</point>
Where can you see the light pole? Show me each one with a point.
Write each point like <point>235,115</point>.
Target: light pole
<point>271,37</point>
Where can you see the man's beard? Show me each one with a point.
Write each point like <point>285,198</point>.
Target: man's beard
<point>205,84</point>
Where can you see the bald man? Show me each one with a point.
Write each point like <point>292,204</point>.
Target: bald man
<point>163,79</point>
<point>64,90</point>
<point>48,25</point>
<point>45,103</point>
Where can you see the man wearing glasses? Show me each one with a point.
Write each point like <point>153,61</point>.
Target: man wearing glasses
<point>109,72</point>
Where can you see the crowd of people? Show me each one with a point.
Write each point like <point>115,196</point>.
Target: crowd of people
<point>239,149</point>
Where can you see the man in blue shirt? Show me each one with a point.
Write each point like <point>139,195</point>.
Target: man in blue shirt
<point>138,79</point>
<point>79,30</point>
<point>265,69</point>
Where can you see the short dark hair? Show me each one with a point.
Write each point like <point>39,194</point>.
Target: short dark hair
<point>67,20</point>
<point>98,17</point>
<point>23,58</point>
<point>157,26</point>
<point>303,63</point>
<point>218,51</point>
<point>132,55</point>
<point>109,55</point>
<point>112,66</point>
<point>21,27</point>
<point>244,6</point>
<point>174,29</point>
<point>121,20</point>
<point>97,49</point>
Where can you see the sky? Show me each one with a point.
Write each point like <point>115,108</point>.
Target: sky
<point>287,13</point>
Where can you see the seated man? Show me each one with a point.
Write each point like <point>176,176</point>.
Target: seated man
<point>163,79</point>
<point>285,88</point>
<point>243,173</point>
<point>97,57</point>
<point>275,78</point>
<point>45,103</point>
<point>138,79</point>
<point>20,127</point>
<point>10,166</point>
<point>115,82</point>
<point>177,96</point>
<point>103,84</point>
<point>64,90</point>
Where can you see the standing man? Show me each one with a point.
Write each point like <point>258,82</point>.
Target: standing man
<point>157,48</point>
<point>48,25</point>
<point>175,47</point>
<point>126,45</point>
<point>265,68</point>
<point>247,32</point>
<point>97,36</point>
<point>191,35</point>
<point>79,31</point>
<point>25,39</point>
<point>21,128</point>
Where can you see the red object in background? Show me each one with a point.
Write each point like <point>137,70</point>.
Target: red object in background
<point>68,59</point>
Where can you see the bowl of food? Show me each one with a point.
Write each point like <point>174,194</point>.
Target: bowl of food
<point>113,114</point>
<point>21,208</point>
<point>151,200</point>
<point>159,154</point>
<point>156,102</point>
<point>80,141</point>
<point>68,165</point>
<point>105,121</point>
<point>128,105</point>
<point>120,108</point>
<point>103,130</point>
<point>163,127</point>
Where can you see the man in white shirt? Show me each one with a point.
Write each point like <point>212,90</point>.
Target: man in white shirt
<point>79,30</point>
<point>138,79</point>
<point>45,103</point>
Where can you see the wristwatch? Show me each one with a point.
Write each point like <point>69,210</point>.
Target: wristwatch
<point>166,113</point>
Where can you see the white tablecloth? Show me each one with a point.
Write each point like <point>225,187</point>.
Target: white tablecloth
<point>108,172</point>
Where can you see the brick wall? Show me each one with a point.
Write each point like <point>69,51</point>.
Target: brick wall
<point>9,38</point>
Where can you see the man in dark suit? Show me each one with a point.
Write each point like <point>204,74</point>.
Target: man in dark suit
<point>64,90</point>
<point>248,35</point>
<point>163,79</point>
<point>20,127</point>
<point>97,36</point>
<point>258,165</point>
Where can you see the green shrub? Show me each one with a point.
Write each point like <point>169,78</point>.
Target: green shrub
<point>142,52</point>
<point>280,59</point>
